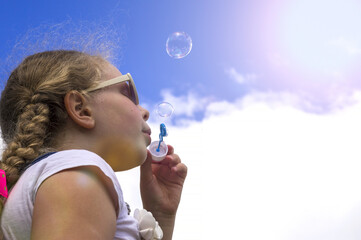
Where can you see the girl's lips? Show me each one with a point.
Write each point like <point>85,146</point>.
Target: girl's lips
<point>148,131</point>
<point>149,139</point>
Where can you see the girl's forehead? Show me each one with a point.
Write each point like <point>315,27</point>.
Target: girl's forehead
<point>110,72</point>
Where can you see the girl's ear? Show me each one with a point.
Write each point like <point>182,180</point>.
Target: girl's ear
<point>79,110</point>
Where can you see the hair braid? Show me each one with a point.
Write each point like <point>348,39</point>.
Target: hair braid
<point>31,131</point>
<point>30,134</point>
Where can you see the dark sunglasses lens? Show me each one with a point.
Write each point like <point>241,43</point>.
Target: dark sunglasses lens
<point>132,93</point>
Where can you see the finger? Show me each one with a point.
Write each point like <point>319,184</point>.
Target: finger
<point>181,170</point>
<point>170,150</point>
<point>171,160</point>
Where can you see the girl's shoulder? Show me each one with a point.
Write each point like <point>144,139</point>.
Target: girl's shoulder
<point>78,160</point>
<point>74,197</point>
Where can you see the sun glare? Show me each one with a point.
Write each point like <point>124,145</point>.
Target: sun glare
<point>311,48</point>
<point>320,37</point>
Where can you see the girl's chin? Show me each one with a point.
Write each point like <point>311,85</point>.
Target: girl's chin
<point>120,154</point>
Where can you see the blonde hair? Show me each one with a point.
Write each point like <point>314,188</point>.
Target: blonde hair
<point>32,110</point>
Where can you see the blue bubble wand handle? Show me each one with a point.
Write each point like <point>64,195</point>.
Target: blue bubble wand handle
<point>163,133</point>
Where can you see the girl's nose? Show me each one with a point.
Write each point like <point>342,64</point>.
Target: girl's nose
<point>145,113</point>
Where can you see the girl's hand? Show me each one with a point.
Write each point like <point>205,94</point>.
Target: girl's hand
<point>161,184</point>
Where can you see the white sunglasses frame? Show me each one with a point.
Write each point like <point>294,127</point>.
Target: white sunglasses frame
<point>122,78</point>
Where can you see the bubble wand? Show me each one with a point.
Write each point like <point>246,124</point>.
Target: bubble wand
<point>159,149</point>
<point>163,133</point>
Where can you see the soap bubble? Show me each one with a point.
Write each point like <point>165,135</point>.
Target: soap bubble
<point>165,109</point>
<point>179,45</point>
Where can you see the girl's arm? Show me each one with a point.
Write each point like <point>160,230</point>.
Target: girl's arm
<point>73,204</point>
<point>161,187</point>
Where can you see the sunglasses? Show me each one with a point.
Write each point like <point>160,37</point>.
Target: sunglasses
<point>127,78</point>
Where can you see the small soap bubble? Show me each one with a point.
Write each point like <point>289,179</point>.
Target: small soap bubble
<point>165,109</point>
<point>179,45</point>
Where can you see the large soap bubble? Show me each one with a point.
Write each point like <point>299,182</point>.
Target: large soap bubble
<point>179,45</point>
<point>165,109</point>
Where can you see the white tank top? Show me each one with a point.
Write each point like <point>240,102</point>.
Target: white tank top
<point>18,210</point>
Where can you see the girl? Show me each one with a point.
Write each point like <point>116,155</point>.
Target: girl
<point>69,120</point>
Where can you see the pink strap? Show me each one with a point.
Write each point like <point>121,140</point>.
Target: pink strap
<point>3,187</point>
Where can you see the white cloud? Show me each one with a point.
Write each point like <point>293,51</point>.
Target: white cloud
<point>185,105</point>
<point>238,77</point>
<point>185,108</point>
<point>260,168</point>
<point>347,45</point>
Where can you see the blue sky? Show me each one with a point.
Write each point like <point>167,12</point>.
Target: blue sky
<point>310,48</point>
<point>267,104</point>
<point>144,27</point>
